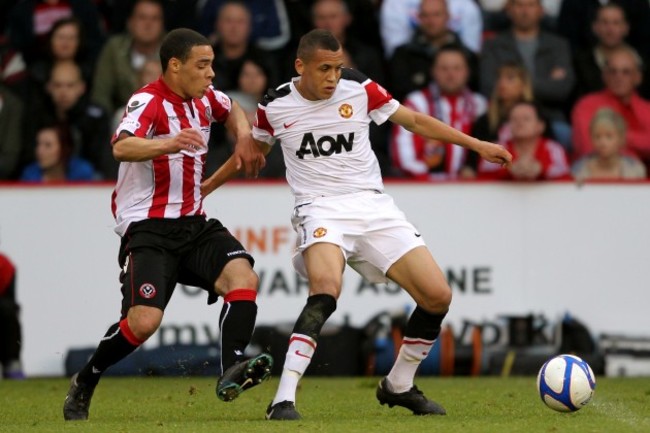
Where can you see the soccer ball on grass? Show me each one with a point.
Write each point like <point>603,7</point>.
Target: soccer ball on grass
<point>566,383</point>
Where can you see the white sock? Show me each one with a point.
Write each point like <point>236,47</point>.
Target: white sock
<point>301,350</point>
<point>411,354</point>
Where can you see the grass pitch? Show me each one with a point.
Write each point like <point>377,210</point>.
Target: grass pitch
<point>341,405</point>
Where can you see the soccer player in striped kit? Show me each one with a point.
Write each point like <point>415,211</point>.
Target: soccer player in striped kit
<point>161,144</point>
<point>342,214</point>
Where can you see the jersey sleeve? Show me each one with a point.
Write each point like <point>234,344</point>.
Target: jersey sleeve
<point>381,104</point>
<point>139,116</point>
<point>262,129</point>
<point>220,105</point>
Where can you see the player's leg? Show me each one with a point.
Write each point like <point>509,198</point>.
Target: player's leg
<point>218,262</point>
<point>238,286</point>
<point>147,284</point>
<point>324,263</point>
<point>11,335</point>
<point>419,274</point>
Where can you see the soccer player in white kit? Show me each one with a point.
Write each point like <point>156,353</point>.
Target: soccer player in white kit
<point>342,214</point>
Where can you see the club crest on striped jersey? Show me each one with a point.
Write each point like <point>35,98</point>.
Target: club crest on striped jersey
<point>147,290</point>
<point>134,106</point>
<point>320,232</point>
<point>345,111</point>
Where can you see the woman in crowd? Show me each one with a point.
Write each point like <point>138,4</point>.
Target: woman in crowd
<point>54,159</point>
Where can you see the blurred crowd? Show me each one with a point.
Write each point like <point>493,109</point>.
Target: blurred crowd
<point>561,83</point>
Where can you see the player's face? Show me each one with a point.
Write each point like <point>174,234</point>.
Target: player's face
<point>607,139</point>
<point>196,74</point>
<point>320,74</point>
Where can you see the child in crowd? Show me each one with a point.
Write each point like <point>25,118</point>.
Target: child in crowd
<point>609,159</point>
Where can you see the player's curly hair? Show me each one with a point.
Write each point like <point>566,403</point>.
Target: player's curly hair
<point>314,40</point>
<point>178,43</point>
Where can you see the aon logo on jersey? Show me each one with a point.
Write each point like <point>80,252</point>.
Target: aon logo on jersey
<point>325,145</point>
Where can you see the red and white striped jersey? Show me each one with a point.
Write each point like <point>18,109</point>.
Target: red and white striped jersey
<point>326,146</point>
<point>429,159</point>
<point>169,185</point>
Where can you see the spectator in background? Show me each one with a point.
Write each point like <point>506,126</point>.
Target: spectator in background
<point>576,17</point>
<point>610,28</point>
<point>334,15</point>
<point>65,42</point>
<point>31,21</point>
<point>10,327</point>
<point>55,161</point>
<point>545,55</point>
<point>177,13</point>
<point>13,70</point>
<point>398,22</point>
<point>608,161</point>
<point>495,18</point>
<point>116,72</point>
<point>513,85</point>
<point>270,28</point>
<point>88,123</point>
<point>11,133</point>
<point>252,86</point>
<point>411,62</point>
<point>622,76</point>
<point>150,72</point>
<point>534,155</point>
<point>447,98</point>
<point>233,46</point>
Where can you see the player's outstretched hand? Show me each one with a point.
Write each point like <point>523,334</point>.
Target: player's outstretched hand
<point>188,139</point>
<point>495,153</point>
<point>249,156</point>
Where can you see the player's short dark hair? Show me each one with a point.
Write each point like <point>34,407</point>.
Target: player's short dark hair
<point>315,40</point>
<point>178,43</point>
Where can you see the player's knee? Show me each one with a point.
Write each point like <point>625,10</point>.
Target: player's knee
<point>438,302</point>
<point>246,279</point>
<point>144,326</point>
<point>325,286</point>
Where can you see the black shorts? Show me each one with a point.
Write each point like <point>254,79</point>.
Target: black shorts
<point>156,254</point>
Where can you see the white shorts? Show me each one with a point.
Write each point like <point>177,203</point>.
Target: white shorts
<point>370,229</point>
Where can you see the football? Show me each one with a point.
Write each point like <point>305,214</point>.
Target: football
<point>566,383</point>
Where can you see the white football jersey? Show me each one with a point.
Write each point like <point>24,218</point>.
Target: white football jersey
<point>326,143</point>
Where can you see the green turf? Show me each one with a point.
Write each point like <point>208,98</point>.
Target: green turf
<point>481,405</point>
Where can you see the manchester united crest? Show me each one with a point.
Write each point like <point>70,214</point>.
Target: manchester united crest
<point>345,111</point>
<point>320,232</point>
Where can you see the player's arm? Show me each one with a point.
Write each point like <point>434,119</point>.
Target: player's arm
<point>130,148</point>
<point>247,154</point>
<point>229,169</point>
<point>434,129</point>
